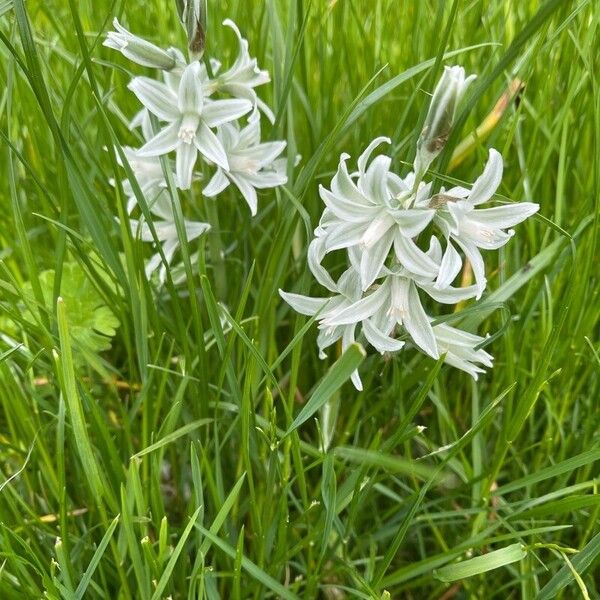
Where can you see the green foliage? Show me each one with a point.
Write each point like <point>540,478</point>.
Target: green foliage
<point>186,441</point>
<point>91,323</point>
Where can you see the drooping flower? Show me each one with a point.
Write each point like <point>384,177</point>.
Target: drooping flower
<point>473,229</point>
<point>190,119</point>
<point>140,50</point>
<point>460,349</point>
<point>252,165</point>
<point>396,302</point>
<point>166,233</point>
<point>242,77</point>
<point>347,292</point>
<point>148,174</point>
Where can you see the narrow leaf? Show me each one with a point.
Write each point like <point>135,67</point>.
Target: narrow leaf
<point>334,379</point>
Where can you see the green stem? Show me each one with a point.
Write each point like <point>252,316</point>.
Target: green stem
<point>215,245</point>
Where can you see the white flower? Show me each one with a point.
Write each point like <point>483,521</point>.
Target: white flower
<point>347,293</point>
<point>190,118</point>
<point>370,215</point>
<point>148,175</point>
<point>471,228</point>
<point>459,347</point>
<point>396,302</point>
<point>141,51</point>
<point>166,232</point>
<point>440,118</point>
<point>242,77</point>
<point>252,164</point>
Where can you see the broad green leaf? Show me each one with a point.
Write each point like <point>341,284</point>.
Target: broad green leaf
<point>64,361</point>
<point>481,564</point>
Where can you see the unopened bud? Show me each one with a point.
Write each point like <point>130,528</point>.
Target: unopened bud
<point>138,49</point>
<point>193,17</point>
<point>440,118</point>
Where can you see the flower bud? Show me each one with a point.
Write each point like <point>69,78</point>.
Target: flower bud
<point>440,118</point>
<point>193,16</point>
<point>138,50</point>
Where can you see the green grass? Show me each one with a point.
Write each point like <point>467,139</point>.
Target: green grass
<point>209,453</point>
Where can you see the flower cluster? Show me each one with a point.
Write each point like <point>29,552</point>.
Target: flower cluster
<point>404,242</point>
<point>196,111</point>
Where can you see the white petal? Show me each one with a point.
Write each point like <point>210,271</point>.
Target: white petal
<point>328,337</point>
<point>247,191</point>
<point>347,340</point>
<point>381,342</point>
<point>450,295</point>
<point>457,191</point>
<point>218,112</point>
<point>262,154</point>
<point>376,230</point>
<point>364,157</point>
<point>316,253</point>
<point>459,347</point>
<point>435,250</point>
<point>349,286</point>
<point>418,326</point>
<point>345,208</point>
<point>373,259</point>
<point>449,268</point>
<point>474,257</point>
<point>186,159</point>
<point>373,183</point>
<point>266,179</point>
<point>156,97</point>
<point>487,183</point>
<point>355,378</point>
<point>265,110</point>
<point>194,229</point>
<point>305,305</point>
<point>163,142</point>
<point>216,185</point>
<point>502,217</point>
<point>210,146</point>
<point>191,97</point>
<point>412,258</point>
<point>342,235</point>
<point>358,311</point>
<point>413,221</point>
<point>343,186</point>
<point>229,134</point>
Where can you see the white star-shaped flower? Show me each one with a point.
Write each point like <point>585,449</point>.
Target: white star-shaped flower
<point>190,119</point>
<point>472,228</point>
<point>347,293</point>
<point>252,165</point>
<point>166,232</point>
<point>371,211</point>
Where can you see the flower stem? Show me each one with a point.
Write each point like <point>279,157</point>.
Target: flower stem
<point>215,245</point>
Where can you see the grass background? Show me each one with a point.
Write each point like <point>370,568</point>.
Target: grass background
<point>160,468</point>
